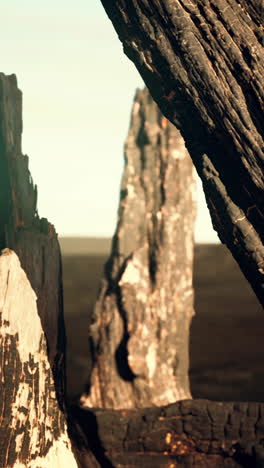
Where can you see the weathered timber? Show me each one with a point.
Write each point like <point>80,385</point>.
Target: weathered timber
<point>33,431</point>
<point>140,334</point>
<point>203,63</point>
<point>189,433</point>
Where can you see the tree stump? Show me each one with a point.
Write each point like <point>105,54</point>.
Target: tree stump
<point>140,334</point>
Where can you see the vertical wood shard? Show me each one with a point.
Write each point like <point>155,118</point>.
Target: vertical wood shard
<point>142,317</point>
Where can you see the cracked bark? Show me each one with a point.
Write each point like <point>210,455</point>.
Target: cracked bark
<point>203,64</point>
<point>140,334</point>
<point>188,433</point>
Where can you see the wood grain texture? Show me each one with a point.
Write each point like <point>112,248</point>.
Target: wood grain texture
<point>203,64</point>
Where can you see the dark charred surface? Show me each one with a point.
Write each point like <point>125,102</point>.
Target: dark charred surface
<point>198,433</point>
<point>203,64</point>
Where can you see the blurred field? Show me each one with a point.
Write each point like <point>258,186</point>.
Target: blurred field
<point>227,333</point>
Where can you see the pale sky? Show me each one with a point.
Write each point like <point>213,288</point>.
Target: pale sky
<point>78,88</point>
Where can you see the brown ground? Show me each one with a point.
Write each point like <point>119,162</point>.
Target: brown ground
<point>227,333</point>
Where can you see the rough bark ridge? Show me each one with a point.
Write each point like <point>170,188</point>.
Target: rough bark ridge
<point>196,433</point>
<point>140,334</point>
<point>203,64</point>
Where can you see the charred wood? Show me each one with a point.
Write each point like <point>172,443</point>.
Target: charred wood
<point>203,64</point>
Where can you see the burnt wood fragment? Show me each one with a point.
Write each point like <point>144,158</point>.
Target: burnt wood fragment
<point>198,433</point>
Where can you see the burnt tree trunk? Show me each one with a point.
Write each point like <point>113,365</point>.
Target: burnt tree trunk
<point>33,429</point>
<point>203,63</point>
<point>140,334</point>
<point>33,239</point>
